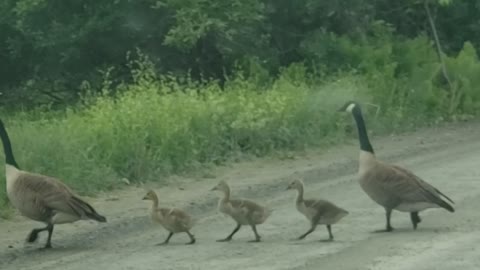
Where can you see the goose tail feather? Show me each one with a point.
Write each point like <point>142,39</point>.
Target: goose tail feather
<point>88,210</point>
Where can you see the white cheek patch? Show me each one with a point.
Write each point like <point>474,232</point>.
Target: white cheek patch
<point>11,174</point>
<point>350,107</point>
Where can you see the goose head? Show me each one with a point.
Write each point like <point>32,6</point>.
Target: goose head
<point>348,106</point>
<point>295,184</point>
<point>221,186</point>
<point>150,196</point>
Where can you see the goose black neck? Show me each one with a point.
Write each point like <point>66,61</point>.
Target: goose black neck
<point>362,131</point>
<point>7,147</point>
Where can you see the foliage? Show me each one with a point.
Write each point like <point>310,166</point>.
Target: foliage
<point>49,48</point>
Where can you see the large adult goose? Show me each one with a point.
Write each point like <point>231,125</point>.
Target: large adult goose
<point>391,186</point>
<point>42,198</point>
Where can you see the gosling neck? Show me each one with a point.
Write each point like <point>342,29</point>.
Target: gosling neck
<point>226,194</point>
<point>299,194</point>
<point>155,202</point>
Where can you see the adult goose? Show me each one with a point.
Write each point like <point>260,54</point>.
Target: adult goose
<point>391,186</point>
<point>42,198</point>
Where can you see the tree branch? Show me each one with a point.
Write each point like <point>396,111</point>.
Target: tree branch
<point>437,43</point>
<point>52,96</point>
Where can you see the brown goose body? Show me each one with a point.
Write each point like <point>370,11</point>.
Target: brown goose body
<point>174,220</point>
<point>396,188</point>
<point>391,186</point>
<point>46,199</point>
<point>244,212</point>
<point>42,198</point>
<point>317,211</point>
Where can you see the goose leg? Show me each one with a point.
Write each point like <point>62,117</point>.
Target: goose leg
<point>32,237</point>
<point>389,228</point>
<point>231,235</point>
<point>257,237</point>
<point>415,219</point>
<point>192,238</point>
<point>49,239</point>
<point>312,228</point>
<point>389,215</point>
<point>166,240</point>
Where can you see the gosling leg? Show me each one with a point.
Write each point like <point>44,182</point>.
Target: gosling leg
<point>192,238</point>
<point>228,238</point>
<point>166,240</point>
<point>257,236</point>
<point>312,228</point>
<point>330,235</point>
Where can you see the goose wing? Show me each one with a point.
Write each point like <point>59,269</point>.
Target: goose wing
<point>52,194</point>
<point>246,205</point>
<point>408,187</point>
<point>324,208</point>
<point>179,217</point>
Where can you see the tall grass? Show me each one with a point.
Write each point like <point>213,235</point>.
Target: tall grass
<point>154,128</point>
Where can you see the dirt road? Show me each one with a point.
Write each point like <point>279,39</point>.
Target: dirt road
<point>447,157</point>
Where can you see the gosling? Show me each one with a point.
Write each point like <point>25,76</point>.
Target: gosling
<point>174,220</point>
<point>318,212</point>
<point>244,212</point>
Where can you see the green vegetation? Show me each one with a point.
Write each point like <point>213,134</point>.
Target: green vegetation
<point>50,48</point>
<point>209,84</point>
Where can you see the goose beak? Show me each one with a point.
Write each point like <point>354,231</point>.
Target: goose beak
<point>214,188</point>
<point>288,188</point>
<point>145,198</point>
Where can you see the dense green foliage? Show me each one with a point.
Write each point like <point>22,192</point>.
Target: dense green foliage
<point>142,89</point>
<point>50,48</point>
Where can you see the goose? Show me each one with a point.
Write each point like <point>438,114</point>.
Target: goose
<point>392,186</point>
<point>173,220</point>
<point>316,211</point>
<point>42,198</point>
<point>244,212</point>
